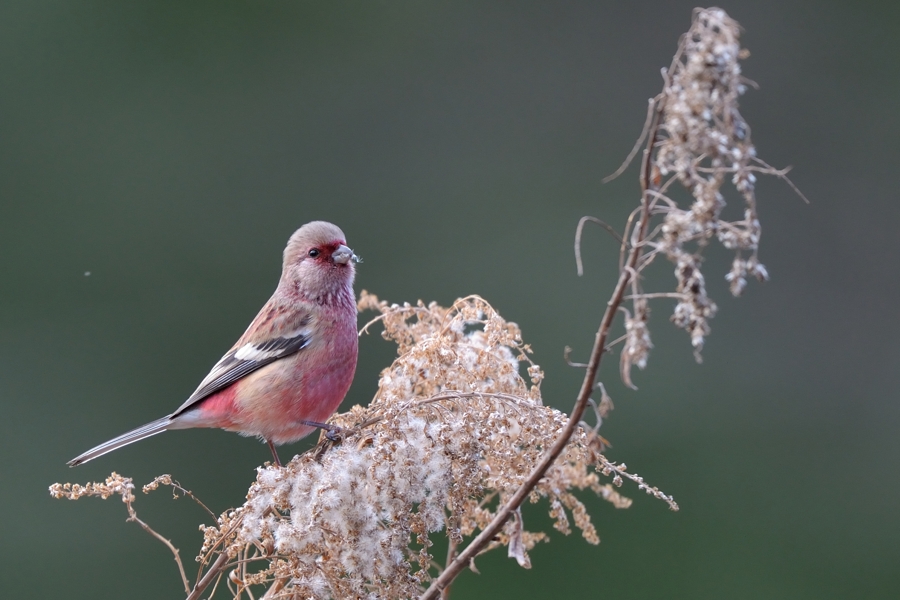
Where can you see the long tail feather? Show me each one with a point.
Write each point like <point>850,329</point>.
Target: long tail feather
<point>144,431</point>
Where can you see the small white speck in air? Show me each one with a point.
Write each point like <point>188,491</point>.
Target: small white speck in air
<point>87,273</point>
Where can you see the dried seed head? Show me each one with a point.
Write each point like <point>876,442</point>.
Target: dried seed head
<point>701,142</point>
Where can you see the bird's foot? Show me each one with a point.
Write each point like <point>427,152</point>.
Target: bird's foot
<point>333,433</point>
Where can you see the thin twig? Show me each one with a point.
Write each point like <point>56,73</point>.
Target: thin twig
<point>167,480</point>
<point>652,295</point>
<point>382,316</point>
<point>567,353</point>
<point>783,176</point>
<point>132,516</point>
<point>618,340</point>
<point>449,395</point>
<point>620,471</point>
<point>637,145</point>
<point>222,538</point>
<point>365,328</point>
<point>216,585</point>
<point>625,246</point>
<point>612,232</point>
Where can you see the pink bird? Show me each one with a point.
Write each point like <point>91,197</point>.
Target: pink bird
<point>293,366</point>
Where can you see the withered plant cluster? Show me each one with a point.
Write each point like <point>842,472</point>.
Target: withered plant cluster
<point>457,437</point>
<point>698,139</point>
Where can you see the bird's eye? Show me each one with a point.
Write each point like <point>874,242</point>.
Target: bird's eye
<point>313,253</point>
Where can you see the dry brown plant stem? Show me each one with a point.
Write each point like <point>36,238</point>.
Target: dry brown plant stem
<point>464,558</point>
<point>451,555</point>
<point>215,570</point>
<point>132,516</point>
<point>211,573</point>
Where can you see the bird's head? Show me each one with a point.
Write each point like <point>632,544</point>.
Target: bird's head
<point>318,263</point>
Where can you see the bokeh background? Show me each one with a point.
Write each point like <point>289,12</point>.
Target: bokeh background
<point>169,149</point>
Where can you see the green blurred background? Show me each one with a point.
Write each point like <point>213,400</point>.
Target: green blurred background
<point>170,149</point>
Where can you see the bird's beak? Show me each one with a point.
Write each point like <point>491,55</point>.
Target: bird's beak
<point>343,255</point>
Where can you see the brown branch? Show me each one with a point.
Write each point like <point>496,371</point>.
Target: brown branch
<point>463,559</point>
<point>123,486</point>
<point>211,573</point>
<point>654,295</point>
<point>451,554</point>
<point>381,317</point>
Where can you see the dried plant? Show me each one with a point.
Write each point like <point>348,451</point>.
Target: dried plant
<point>457,436</point>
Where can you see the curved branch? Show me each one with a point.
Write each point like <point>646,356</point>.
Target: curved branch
<point>578,264</point>
<point>637,145</point>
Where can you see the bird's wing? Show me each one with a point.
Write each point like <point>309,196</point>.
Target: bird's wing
<point>245,359</point>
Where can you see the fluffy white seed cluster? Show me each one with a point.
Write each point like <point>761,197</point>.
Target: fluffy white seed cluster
<point>637,345</point>
<point>454,429</point>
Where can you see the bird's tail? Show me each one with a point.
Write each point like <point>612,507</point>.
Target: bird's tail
<point>144,431</point>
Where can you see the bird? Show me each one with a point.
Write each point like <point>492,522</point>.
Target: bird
<point>289,372</point>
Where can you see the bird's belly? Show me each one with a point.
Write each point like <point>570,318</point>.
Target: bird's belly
<point>274,401</point>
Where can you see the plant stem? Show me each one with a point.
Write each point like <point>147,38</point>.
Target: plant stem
<point>211,574</point>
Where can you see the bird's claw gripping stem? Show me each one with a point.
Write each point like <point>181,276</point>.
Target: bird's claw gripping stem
<point>333,433</point>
